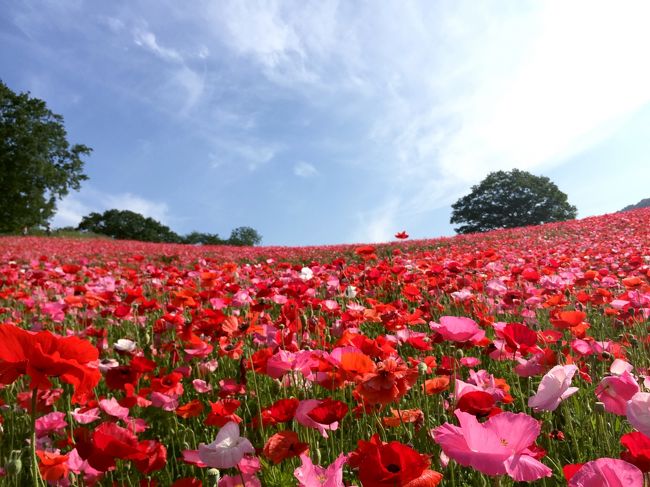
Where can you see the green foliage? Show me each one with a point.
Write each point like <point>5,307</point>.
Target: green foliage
<point>511,199</point>
<point>128,225</point>
<point>244,236</point>
<point>200,238</point>
<point>37,164</point>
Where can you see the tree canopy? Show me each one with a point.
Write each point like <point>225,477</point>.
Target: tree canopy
<point>508,199</point>
<point>128,225</point>
<point>37,164</point>
<point>244,236</point>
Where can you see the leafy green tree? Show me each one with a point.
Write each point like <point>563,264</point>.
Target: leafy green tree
<point>244,236</point>
<point>128,225</point>
<point>37,164</point>
<point>195,238</point>
<point>507,199</point>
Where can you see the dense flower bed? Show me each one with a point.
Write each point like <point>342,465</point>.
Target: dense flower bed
<point>512,356</point>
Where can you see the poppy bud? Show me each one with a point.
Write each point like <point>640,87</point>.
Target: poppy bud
<point>15,464</point>
<point>422,368</point>
<point>599,407</point>
<point>459,353</point>
<point>213,477</point>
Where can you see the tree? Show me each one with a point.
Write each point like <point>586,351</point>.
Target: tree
<point>511,199</point>
<point>244,236</point>
<point>37,164</point>
<point>127,225</point>
<point>201,238</point>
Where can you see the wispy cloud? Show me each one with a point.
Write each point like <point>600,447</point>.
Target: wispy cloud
<point>147,40</point>
<point>305,170</point>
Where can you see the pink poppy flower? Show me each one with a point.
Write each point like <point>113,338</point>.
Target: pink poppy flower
<point>227,449</point>
<point>615,391</point>
<point>113,408</point>
<point>607,472</point>
<point>497,447</point>
<point>638,412</point>
<point>310,475</point>
<point>554,388</point>
<point>458,329</point>
<point>53,422</point>
<point>85,416</point>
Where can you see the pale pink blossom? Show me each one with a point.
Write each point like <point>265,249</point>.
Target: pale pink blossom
<point>458,329</point>
<point>201,386</point>
<point>227,449</point>
<point>638,412</point>
<point>82,416</point>
<point>113,408</point>
<point>554,388</point>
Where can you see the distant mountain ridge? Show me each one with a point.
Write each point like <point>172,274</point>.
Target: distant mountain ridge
<point>645,203</point>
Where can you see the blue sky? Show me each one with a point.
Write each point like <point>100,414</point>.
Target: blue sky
<point>329,122</point>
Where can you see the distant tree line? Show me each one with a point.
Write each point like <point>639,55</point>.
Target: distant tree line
<point>645,203</point>
<point>129,225</point>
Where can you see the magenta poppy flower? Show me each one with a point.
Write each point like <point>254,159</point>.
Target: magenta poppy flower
<point>227,449</point>
<point>554,388</point>
<point>499,446</point>
<point>615,391</point>
<point>310,475</point>
<point>607,472</point>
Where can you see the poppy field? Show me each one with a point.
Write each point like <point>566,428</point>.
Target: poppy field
<point>504,358</point>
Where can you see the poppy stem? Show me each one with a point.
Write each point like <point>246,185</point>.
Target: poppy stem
<point>36,475</point>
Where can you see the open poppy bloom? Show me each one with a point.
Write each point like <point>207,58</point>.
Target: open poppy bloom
<point>501,445</point>
<point>638,450</point>
<point>554,388</point>
<point>52,466</point>
<point>310,475</point>
<point>458,329</point>
<point>387,464</point>
<point>614,391</point>
<point>284,444</point>
<point>227,449</point>
<point>389,382</point>
<point>607,472</point>
<point>402,235</point>
<point>43,355</point>
<point>321,414</point>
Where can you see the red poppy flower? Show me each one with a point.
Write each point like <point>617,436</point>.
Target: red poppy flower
<point>190,410</point>
<point>281,411</point>
<point>284,444</point>
<point>382,464</point>
<point>402,235</point>
<point>477,403</point>
<point>638,450</point>
<point>52,466</point>
<point>328,411</point>
<point>222,412</point>
<point>391,381</point>
<point>43,355</point>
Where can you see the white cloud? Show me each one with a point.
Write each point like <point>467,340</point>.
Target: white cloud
<point>72,208</point>
<point>147,39</point>
<point>305,170</point>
